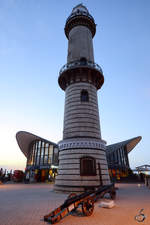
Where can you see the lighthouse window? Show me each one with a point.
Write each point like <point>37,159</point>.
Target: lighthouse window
<point>83,61</point>
<point>84,96</point>
<point>87,166</point>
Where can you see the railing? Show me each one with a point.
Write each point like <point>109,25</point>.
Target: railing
<point>80,13</point>
<point>79,63</point>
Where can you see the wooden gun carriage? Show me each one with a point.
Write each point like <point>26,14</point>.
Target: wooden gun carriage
<point>85,200</point>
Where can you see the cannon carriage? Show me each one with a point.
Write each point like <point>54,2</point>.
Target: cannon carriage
<point>84,200</point>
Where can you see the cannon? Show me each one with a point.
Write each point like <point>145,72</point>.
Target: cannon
<point>85,200</point>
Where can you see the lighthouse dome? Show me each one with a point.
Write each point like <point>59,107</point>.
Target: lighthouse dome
<point>80,8</point>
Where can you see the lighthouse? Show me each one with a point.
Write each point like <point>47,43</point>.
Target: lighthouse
<point>82,152</point>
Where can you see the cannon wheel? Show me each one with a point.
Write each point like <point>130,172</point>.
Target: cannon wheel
<point>88,207</point>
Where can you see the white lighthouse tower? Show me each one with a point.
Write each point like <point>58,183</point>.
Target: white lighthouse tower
<point>82,156</point>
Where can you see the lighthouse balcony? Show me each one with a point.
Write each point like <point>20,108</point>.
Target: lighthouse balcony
<point>80,63</point>
<point>81,71</point>
<point>80,16</point>
<point>79,13</point>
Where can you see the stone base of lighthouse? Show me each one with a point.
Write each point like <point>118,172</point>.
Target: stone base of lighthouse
<point>82,165</point>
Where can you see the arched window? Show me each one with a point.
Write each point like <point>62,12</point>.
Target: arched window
<point>87,166</point>
<point>84,96</point>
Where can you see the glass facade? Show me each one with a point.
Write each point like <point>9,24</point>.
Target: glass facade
<point>118,162</point>
<point>118,158</point>
<point>42,154</point>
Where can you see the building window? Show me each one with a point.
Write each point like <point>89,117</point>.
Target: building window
<point>87,166</point>
<point>84,96</point>
<point>41,153</point>
<point>55,156</point>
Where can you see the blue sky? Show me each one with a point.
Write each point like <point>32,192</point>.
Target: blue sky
<point>33,48</point>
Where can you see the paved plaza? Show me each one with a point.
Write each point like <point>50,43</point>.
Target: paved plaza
<point>26,204</point>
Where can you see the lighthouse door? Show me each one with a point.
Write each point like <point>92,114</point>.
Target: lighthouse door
<point>87,166</point>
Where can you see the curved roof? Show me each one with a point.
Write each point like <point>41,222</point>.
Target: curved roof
<point>130,144</point>
<point>24,139</point>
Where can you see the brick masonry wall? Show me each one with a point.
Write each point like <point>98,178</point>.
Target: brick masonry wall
<point>81,119</point>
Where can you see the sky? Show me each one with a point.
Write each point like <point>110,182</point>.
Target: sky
<point>33,48</point>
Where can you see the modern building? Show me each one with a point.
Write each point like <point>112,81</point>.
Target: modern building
<point>41,154</point>
<point>143,169</point>
<point>117,157</point>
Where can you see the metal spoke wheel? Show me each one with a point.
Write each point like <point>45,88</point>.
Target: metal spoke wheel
<point>88,207</point>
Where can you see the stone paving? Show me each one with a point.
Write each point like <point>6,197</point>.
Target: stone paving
<point>26,204</point>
